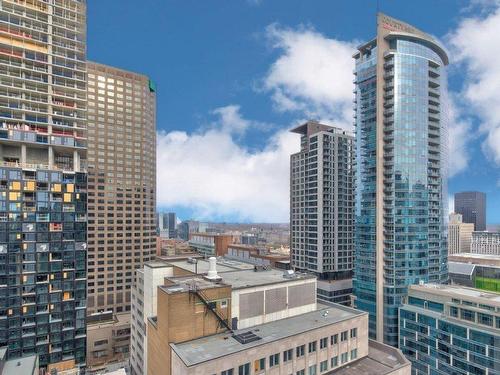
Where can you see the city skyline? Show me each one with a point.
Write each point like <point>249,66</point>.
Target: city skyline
<point>237,117</point>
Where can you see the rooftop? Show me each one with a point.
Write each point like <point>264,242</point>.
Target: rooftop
<point>382,359</point>
<point>456,291</point>
<point>481,259</point>
<point>461,268</point>
<point>209,348</point>
<point>21,366</point>
<point>223,265</point>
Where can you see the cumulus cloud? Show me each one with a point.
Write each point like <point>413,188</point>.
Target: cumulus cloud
<point>215,176</point>
<point>312,76</point>
<point>473,43</point>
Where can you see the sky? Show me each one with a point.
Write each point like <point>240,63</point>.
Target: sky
<point>234,76</point>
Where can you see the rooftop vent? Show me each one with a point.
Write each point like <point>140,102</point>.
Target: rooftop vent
<point>212,270</point>
<point>289,274</point>
<point>246,337</point>
<point>192,260</point>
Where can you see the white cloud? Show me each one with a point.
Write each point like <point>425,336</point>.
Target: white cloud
<point>212,174</point>
<point>474,43</point>
<point>313,75</point>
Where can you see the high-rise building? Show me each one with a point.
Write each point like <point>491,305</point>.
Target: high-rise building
<point>322,204</point>
<point>401,197</point>
<point>448,329</point>
<point>43,142</point>
<point>459,235</point>
<point>121,183</point>
<point>167,224</point>
<point>472,206</point>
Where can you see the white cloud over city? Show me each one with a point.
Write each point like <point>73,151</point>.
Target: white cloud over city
<point>474,45</point>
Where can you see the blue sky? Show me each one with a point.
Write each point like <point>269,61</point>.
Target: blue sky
<point>233,76</point>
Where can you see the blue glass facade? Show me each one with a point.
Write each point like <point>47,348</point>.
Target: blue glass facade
<point>443,335</point>
<point>408,159</point>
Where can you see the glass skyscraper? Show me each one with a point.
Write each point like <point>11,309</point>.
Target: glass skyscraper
<point>43,181</point>
<point>401,198</point>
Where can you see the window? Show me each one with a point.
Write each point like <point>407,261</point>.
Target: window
<point>299,352</point>
<point>354,333</point>
<point>244,369</point>
<point>227,372</point>
<point>287,355</point>
<point>323,343</point>
<point>312,346</point>
<point>274,360</point>
<point>259,364</point>
<point>334,362</point>
<point>334,339</point>
<point>343,336</point>
<point>343,357</point>
<point>312,370</point>
<point>323,366</point>
<point>301,372</point>
<point>354,354</point>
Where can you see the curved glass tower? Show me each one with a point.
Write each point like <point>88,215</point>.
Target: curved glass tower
<point>400,118</point>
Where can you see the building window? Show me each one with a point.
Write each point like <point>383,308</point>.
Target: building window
<point>244,369</point>
<point>300,351</point>
<point>227,372</point>
<point>334,361</point>
<point>354,333</point>
<point>274,360</point>
<point>301,372</point>
<point>343,358</point>
<point>312,346</point>
<point>354,354</point>
<point>334,339</point>
<point>323,366</point>
<point>312,370</point>
<point>343,336</point>
<point>323,343</point>
<point>260,364</point>
<point>287,355</point>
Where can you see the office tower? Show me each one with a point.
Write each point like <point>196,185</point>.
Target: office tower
<point>121,183</point>
<point>472,206</point>
<point>246,322</point>
<point>450,330</point>
<point>459,235</point>
<point>43,143</point>
<point>485,243</point>
<point>322,205</point>
<point>401,197</point>
<point>167,225</point>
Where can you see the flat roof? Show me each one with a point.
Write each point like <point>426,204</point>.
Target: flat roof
<point>479,259</point>
<point>381,359</point>
<point>457,291</point>
<point>250,278</point>
<point>461,268</point>
<point>21,366</point>
<point>212,347</point>
<point>223,265</point>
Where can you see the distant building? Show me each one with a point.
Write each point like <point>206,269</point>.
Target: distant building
<point>256,255</point>
<point>486,243</point>
<point>171,246</point>
<point>211,244</point>
<point>246,322</point>
<point>472,206</point>
<point>446,329</point>
<point>249,239</point>
<point>459,235</point>
<point>167,225</point>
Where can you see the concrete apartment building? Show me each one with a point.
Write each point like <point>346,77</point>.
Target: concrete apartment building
<point>122,203</point>
<point>459,235</point>
<point>485,243</point>
<point>43,155</point>
<point>122,183</point>
<point>322,207</point>
<point>450,330</point>
<point>472,206</point>
<point>209,244</point>
<point>249,322</point>
<point>401,174</point>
